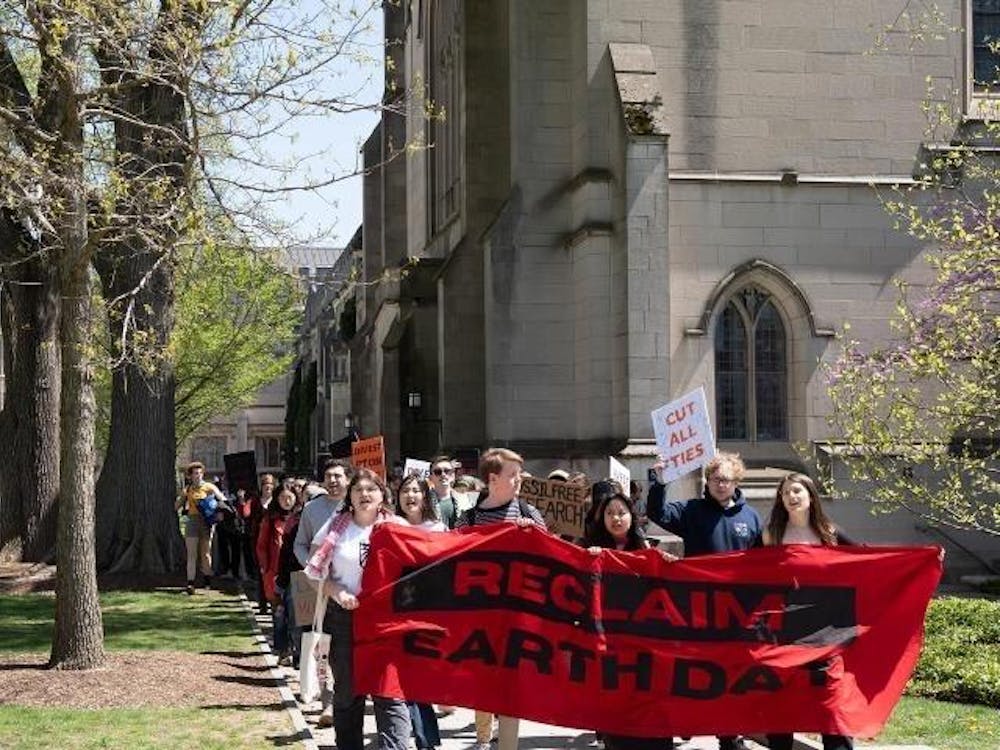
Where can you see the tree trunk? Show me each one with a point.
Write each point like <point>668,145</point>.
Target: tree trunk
<point>78,640</point>
<point>136,522</point>
<point>29,422</point>
<point>78,635</point>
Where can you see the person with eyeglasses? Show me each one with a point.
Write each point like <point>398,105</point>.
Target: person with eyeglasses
<point>718,521</point>
<point>442,478</point>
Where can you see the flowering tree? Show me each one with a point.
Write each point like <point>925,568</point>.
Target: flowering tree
<point>921,414</point>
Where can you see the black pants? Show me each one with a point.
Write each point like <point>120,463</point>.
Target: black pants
<point>230,551</point>
<point>830,742</point>
<point>618,742</point>
<point>392,718</point>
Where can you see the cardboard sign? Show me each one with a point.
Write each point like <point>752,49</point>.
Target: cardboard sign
<point>415,466</point>
<point>369,454</point>
<point>562,505</point>
<point>684,437</point>
<point>303,598</point>
<point>618,472</point>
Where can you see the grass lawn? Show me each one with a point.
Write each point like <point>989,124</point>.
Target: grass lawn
<point>138,729</point>
<point>148,620</point>
<point>945,726</point>
<point>211,629</point>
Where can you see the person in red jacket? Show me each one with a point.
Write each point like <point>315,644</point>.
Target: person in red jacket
<point>274,525</point>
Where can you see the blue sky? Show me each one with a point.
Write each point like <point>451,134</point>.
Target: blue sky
<point>320,147</point>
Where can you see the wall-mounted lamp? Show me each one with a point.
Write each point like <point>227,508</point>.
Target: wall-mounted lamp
<point>414,399</point>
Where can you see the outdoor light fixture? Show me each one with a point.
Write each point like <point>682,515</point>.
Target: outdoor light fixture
<point>414,399</point>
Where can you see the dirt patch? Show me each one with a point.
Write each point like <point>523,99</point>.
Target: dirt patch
<point>21,578</point>
<point>140,679</point>
<point>226,679</point>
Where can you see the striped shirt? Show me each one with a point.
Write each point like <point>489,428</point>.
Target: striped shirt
<point>509,511</point>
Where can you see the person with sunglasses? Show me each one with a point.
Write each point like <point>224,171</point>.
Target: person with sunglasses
<point>718,521</point>
<point>442,479</point>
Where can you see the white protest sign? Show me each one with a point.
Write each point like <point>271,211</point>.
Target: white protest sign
<point>684,437</point>
<point>465,500</point>
<point>618,472</point>
<point>415,466</point>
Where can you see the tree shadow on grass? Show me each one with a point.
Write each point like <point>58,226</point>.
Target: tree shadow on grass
<point>248,667</point>
<point>40,666</point>
<point>286,740</point>
<point>263,682</point>
<point>232,654</point>
<point>244,707</point>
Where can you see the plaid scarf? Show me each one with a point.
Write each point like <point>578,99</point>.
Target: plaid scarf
<point>320,565</point>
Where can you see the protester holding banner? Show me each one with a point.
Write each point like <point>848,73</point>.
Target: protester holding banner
<point>617,528</point>
<point>719,521</point>
<point>501,470</point>
<point>338,563</point>
<point>413,503</point>
<point>797,517</point>
<point>600,492</point>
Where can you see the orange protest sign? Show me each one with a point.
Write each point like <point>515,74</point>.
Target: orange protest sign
<point>369,454</point>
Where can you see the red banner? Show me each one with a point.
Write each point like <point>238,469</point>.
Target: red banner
<point>518,622</point>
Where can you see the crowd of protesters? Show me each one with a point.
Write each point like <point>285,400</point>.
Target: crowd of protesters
<point>323,529</point>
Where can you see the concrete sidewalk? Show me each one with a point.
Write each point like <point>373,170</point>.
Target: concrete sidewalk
<point>458,730</point>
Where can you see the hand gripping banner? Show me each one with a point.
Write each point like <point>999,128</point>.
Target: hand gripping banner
<point>518,622</point>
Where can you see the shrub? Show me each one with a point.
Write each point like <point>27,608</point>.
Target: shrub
<point>961,657</point>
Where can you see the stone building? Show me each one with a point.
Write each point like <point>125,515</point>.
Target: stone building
<point>621,200</point>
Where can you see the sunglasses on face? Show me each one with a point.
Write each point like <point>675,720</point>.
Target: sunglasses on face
<point>441,472</point>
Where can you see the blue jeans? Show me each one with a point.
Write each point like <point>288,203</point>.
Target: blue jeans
<point>291,634</point>
<point>279,626</point>
<point>425,725</point>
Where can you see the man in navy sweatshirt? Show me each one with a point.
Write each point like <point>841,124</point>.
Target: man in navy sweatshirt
<point>719,521</point>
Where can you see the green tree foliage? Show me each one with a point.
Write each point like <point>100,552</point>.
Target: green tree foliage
<point>237,314</point>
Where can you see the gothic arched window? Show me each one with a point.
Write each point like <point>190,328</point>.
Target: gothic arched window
<point>751,381</point>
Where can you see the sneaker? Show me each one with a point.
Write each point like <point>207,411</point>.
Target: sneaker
<point>190,589</point>
<point>285,661</point>
<point>326,718</point>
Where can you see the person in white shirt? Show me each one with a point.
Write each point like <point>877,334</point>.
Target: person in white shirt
<point>338,563</point>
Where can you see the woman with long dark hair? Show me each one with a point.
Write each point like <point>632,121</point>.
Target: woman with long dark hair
<point>797,517</point>
<point>276,524</point>
<point>615,526</point>
<point>413,503</point>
